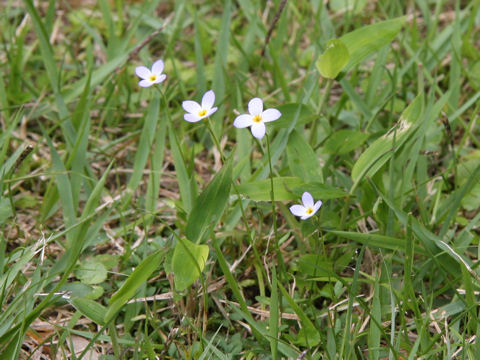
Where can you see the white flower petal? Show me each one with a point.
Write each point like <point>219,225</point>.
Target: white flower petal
<point>307,200</point>
<point>157,67</point>
<point>191,106</point>
<point>306,216</point>
<point>208,100</point>
<point>160,79</point>
<point>211,111</point>
<point>258,130</point>
<point>243,121</point>
<point>271,115</point>
<point>191,118</point>
<point>317,206</point>
<point>145,83</point>
<point>143,72</point>
<point>255,106</point>
<point>298,210</point>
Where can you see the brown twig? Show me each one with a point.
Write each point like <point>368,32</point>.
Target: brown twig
<point>146,41</point>
<point>274,23</point>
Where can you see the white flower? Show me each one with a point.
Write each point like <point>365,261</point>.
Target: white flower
<point>150,77</point>
<point>256,118</point>
<point>197,112</point>
<point>308,209</point>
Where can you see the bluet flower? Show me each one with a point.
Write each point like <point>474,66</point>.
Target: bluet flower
<point>196,111</point>
<point>150,77</point>
<point>308,208</point>
<point>257,118</point>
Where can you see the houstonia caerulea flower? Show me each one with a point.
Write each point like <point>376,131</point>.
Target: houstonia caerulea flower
<point>308,209</point>
<point>150,77</point>
<point>257,118</point>
<point>197,112</point>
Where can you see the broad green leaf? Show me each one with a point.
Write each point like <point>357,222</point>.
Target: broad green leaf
<point>333,60</point>
<point>91,271</point>
<point>466,168</point>
<point>260,190</point>
<point>344,141</point>
<point>91,309</point>
<point>288,188</point>
<point>319,191</point>
<point>342,6</point>
<point>381,149</point>
<point>5,210</point>
<point>368,39</point>
<point>301,112</point>
<point>188,263</point>
<point>379,241</point>
<point>134,281</point>
<point>210,205</point>
<point>314,265</point>
<point>302,159</point>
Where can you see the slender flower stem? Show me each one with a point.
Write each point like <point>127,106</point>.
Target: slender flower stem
<point>274,213</point>
<point>242,210</point>
<point>323,98</point>
<point>215,140</point>
<point>272,195</point>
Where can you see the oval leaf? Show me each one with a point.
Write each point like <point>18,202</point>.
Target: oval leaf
<point>288,188</point>
<point>134,281</point>
<point>381,149</point>
<point>90,309</point>
<point>188,263</point>
<point>209,206</point>
<point>319,191</point>
<point>344,141</point>
<point>333,60</point>
<point>91,271</point>
<point>302,160</point>
<point>298,112</point>
<point>260,190</point>
<point>368,39</point>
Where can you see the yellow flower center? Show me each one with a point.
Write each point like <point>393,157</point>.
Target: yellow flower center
<point>309,211</point>
<point>257,118</point>
<point>152,77</point>
<point>202,113</point>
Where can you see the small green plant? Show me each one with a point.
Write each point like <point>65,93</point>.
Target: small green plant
<point>140,221</point>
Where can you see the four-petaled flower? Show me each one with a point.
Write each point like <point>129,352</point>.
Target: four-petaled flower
<point>150,77</point>
<point>197,112</point>
<point>257,118</point>
<point>308,209</point>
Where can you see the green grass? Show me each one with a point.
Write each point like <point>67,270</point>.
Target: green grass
<point>129,233</point>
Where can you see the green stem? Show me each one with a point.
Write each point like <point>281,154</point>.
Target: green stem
<point>323,98</point>
<point>272,195</point>
<point>274,212</point>
<point>215,140</point>
<point>242,210</point>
